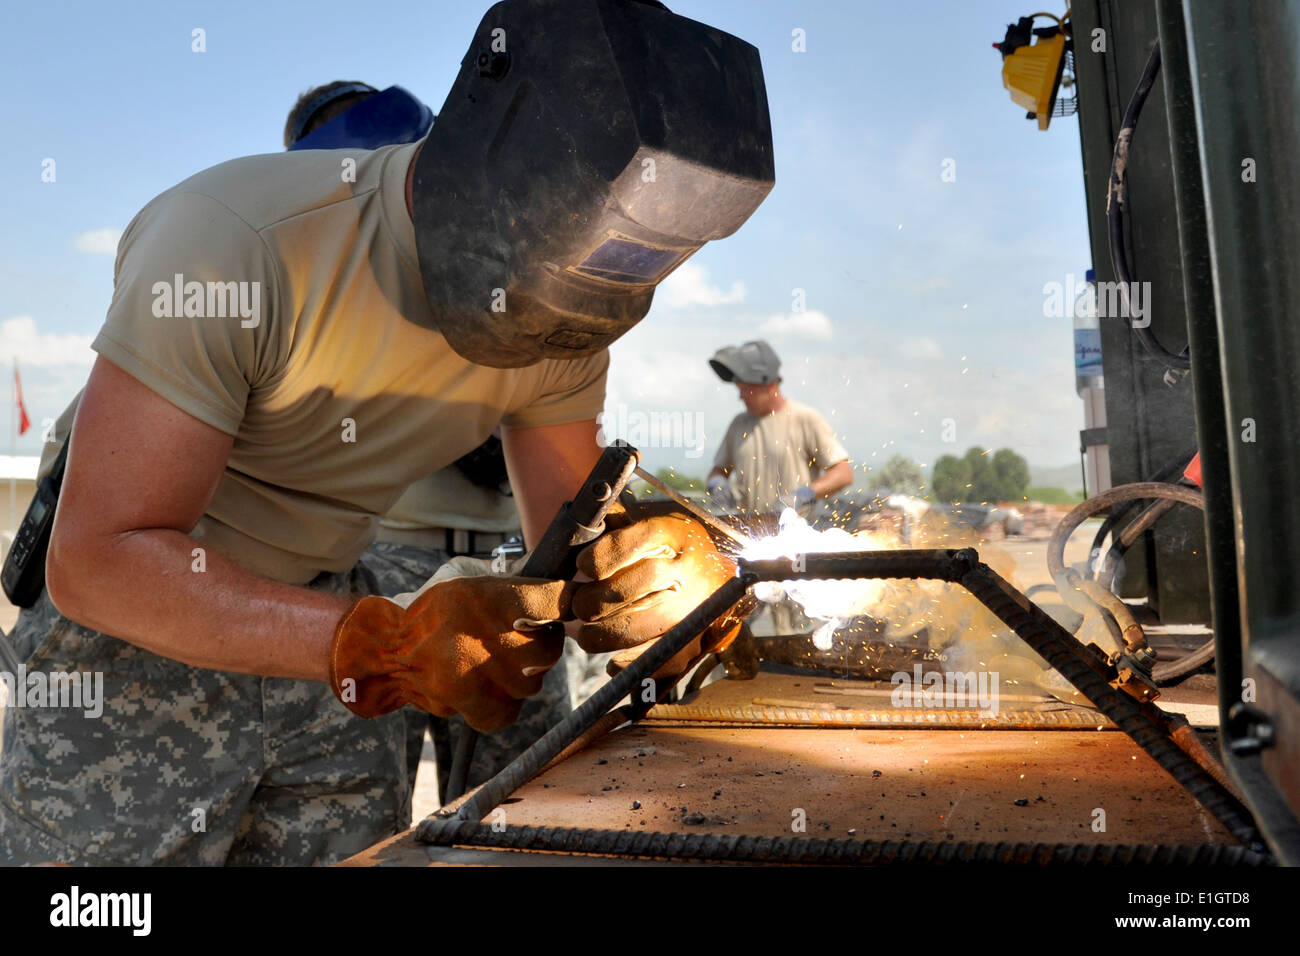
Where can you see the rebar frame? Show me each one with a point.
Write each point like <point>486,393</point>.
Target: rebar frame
<point>1088,671</point>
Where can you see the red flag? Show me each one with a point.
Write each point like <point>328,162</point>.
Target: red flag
<point>24,422</point>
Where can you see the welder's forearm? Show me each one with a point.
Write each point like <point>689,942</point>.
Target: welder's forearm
<point>837,478</point>
<point>146,587</point>
<point>547,465</point>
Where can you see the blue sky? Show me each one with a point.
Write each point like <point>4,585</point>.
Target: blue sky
<point>924,298</point>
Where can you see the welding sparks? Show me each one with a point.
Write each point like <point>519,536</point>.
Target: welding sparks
<point>829,602</point>
<point>948,620</point>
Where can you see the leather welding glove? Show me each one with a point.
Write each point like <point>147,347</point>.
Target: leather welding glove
<point>650,569</point>
<point>476,646</point>
<point>460,566</point>
<point>715,640</point>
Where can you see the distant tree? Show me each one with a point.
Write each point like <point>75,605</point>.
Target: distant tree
<point>983,482</point>
<point>674,479</point>
<point>950,479</point>
<point>978,476</point>
<point>1010,476</point>
<point>1052,496</point>
<point>900,474</point>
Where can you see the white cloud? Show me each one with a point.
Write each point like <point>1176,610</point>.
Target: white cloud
<point>19,338</point>
<point>100,242</point>
<point>689,286</point>
<point>924,348</point>
<point>811,324</point>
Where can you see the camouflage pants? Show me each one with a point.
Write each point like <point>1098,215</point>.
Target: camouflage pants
<point>401,567</point>
<point>191,766</point>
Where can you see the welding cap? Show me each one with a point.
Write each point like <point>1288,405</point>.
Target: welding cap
<point>587,148</point>
<point>754,363</point>
<point>381,119</point>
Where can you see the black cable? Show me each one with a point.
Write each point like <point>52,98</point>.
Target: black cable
<point>1164,672</point>
<point>1157,492</point>
<point>462,757</point>
<point>1115,214</point>
<point>1107,569</point>
<point>1136,490</point>
<point>1173,466</point>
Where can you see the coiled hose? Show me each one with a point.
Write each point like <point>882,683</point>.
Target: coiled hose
<point>1099,591</point>
<point>1174,466</point>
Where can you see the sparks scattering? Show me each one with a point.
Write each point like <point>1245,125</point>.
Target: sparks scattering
<point>827,602</point>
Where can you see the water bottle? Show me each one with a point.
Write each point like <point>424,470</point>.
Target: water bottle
<point>1087,337</point>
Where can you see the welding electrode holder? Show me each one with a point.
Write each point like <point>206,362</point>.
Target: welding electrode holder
<point>582,520</point>
<point>577,523</point>
<point>440,826</point>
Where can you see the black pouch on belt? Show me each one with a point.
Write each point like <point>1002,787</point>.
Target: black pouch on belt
<point>23,577</point>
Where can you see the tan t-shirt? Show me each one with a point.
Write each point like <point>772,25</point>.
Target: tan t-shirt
<point>771,455</point>
<point>324,367</point>
<point>447,499</point>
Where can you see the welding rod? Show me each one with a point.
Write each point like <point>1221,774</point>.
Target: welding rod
<point>524,767</point>
<point>708,520</point>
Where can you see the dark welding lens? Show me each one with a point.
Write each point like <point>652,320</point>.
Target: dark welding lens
<point>624,260</point>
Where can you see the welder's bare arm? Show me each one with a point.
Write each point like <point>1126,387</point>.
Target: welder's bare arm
<point>717,472</point>
<point>838,477</point>
<point>546,466</point>
<point>140,474</point>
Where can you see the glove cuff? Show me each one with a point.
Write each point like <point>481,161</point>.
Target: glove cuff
<point>360,657</point>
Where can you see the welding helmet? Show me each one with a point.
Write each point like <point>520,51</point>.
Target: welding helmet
<point>587,148</point>
<point>754,363</point>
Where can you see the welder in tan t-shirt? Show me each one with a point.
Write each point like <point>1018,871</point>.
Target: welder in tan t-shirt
<point>293,340</point>
<point>778,453</point>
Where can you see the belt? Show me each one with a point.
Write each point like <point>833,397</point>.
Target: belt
<point>454,541</point>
